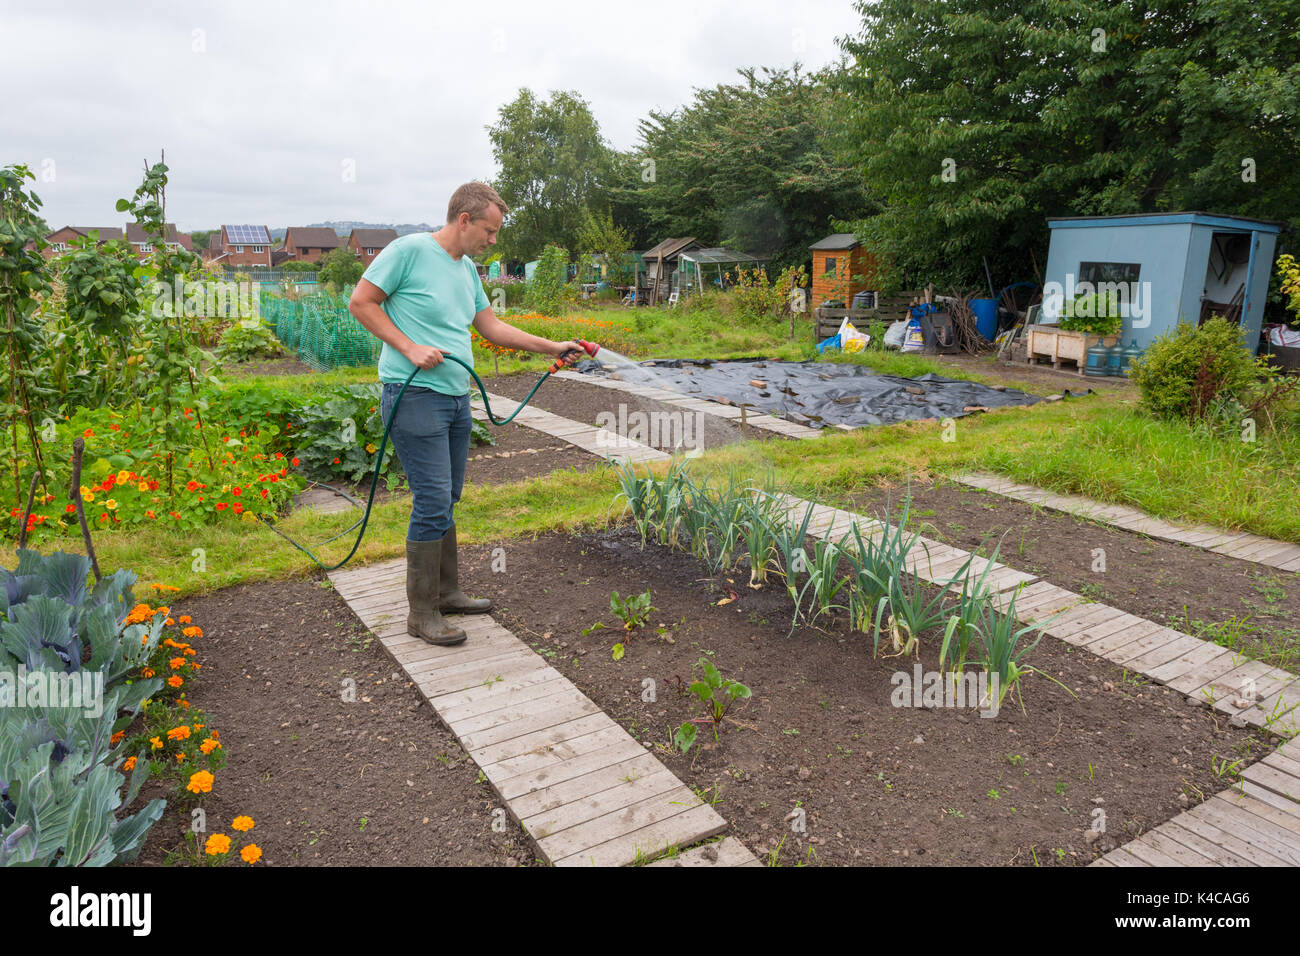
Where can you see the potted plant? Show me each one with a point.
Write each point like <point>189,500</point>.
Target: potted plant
<point>1085,321</point>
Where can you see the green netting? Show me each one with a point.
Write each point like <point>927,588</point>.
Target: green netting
<point>321,330</point>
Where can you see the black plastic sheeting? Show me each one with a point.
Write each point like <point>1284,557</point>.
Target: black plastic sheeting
<point>816,394</point>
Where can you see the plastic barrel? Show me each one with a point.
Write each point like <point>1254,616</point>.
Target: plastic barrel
<point>986,317</point>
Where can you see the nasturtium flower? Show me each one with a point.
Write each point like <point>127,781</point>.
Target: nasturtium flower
<point>111,504</point>
<point>217,844</point>
<point>123,477</point>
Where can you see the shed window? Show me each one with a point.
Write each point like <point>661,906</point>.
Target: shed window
<point>1096,272</point>
<point>830,265</point>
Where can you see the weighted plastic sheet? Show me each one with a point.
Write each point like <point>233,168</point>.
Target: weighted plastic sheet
<point>816,394</point>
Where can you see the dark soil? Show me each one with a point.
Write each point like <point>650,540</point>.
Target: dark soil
<point>879,784</point>
<point>582,403</point>
<point>376,782</point>
<point>1189,588</point>
<point>287,365</point>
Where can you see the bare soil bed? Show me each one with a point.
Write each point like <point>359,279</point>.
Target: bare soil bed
<point>879,784</point>
<point>1245,605</point>
<point>583,403</point>
<point>378,781</point>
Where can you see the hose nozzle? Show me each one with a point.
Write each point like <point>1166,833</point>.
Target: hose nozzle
<point>591,348</point>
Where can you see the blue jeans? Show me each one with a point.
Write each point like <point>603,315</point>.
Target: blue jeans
<point>431,437</point>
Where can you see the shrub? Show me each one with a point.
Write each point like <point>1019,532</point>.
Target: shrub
<point>247,339</point>
<point>548,293</point>
<point>1186,371</point>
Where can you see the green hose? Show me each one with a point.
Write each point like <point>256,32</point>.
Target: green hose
<point>379,460</point>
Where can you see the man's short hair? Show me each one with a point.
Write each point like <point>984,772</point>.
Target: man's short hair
<point>474,198</point>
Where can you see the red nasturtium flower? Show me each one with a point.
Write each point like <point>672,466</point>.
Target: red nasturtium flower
<point>221,505</point>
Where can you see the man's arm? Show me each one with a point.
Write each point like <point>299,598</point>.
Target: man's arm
<point>507,336</point>
<point>365,308</point>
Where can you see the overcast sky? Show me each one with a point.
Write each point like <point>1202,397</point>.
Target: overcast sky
<point>286,114</point>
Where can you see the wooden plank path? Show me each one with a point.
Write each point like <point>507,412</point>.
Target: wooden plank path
<point>1283,555</point>
<point>771,423</point>
<point>1255,823</point>
<point>583,788</point>
<point>598,441</point>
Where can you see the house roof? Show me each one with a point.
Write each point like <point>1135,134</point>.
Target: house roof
<point>278,256</point>
<point>242,235</point>
<point>1164,218</point>
<point>720,255</point>
<point>307,237</point>
<point>670,247</point>
<point>373,238</point>
<point>105,232</point>
<point>135,233</point>
<point>839,240</point>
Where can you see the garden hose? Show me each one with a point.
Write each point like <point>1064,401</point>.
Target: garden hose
<point>590,348</point>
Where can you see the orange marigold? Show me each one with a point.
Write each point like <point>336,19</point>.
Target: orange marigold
<point>251,853</point>
<point>156,742</point>
<point>117,736</point>
<point>175,680</point>
<point>179,733</point>
<point>208,746</point>
<point>217,844</point>
<point>242,823</point>
<point>200,782</point>
<point>176,663</point>
<point>129,764</point>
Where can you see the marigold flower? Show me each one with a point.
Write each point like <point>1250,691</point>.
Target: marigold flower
<point>175,680</point>
<point>184,619</point>
<point>242,824</point>
<point>200,782</point>
<point>217,844</point>
<point>129,764</point>
<point>156,743</point>
<point>193,631</point>
<point>185,704</point>
<point>209,745</point>
<point>180,758</point>
<point>117,736</point>
<point>251,853</point>
<point>148,671</point>
<point>176,663</point>
<point>179,733</point>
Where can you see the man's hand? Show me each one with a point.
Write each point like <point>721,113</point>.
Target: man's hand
<point>425,356</point>
<point>563,349</point>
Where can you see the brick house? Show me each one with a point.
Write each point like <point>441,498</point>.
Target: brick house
<point>305,244</point>
<point>244,246</point>
<point>368,243</point>
<point>60,240</point>
<point>135,235</point>
<point>841,268</point>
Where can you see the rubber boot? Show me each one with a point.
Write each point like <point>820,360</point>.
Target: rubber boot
<point>452,600</point>
<point>423,563</point>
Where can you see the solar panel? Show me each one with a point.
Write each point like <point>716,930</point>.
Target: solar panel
<point>244,235</point>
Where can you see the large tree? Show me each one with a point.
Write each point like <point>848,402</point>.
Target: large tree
<point>746,164</point>
<point>974,120</point>
<point>553,167</point>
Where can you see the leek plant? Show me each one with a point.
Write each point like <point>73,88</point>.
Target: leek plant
<point>974,599</point>
<point>999,638</point>
<point>910,613</point>
<point>757,521</point>
<point>789,538</point>
<point>823,581</point>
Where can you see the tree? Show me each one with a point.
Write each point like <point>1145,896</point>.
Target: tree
<point>340,267</point>
<point>973,120</point>
<point>553,168</point>
<point>747,165</point>
<point>599,236</point>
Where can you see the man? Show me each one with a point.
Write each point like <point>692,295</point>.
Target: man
<point>420,296</point>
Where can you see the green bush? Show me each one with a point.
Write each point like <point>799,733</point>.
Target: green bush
<point>247,339</point>
<point>1093,314</point>
<point>548,293</point>
<point>1188,370</point>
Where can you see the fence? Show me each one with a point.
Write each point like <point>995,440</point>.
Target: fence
<point>321,330</point>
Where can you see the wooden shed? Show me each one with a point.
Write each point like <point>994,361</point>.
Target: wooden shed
<point>660,264</point>
<point>841,268</point>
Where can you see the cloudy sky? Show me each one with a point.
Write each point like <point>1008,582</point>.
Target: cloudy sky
<point>283,114</point>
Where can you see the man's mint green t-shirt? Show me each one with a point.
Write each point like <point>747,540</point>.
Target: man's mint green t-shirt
<point>433,299</point>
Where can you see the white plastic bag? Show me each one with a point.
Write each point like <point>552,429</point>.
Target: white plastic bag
<point>895,334</point>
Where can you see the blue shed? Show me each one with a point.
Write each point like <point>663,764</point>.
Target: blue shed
<point>1164,267</point>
